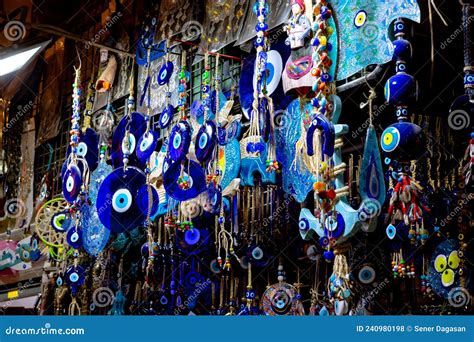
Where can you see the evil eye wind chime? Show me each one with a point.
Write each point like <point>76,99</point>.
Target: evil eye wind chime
<point>259,156</point>
<point>402,144</point>
<point>74,192</point>
<point>320,133</point>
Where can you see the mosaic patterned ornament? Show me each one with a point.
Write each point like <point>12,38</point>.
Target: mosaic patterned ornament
<point>363,31</point>
<point>94,235</point>
<point>278,299</point>
<point>443,271</point>
<point>97,177</point>
<point>288,132</point>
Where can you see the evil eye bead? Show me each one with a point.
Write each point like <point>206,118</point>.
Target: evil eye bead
<point>401,88</point>
<point>453,260</point>
<point>324,241</point>
<point>81,149</point>
<point>25,255</point>
<point>402,112</point>
<point>122,200</point>
<point>166,116</point>
<point>57,222</point>
<point>128,147</point>
<point>72,182</point>
<point>447,278</point>
<point>402,50</point>
<point>440,263</point>
<point>390,139</point>
<point>165,73</point>
<point>303,224</point>
<point>366,275</point>
<point>398,27</point>
<point>360,19</point>
<point>74,238</point>
<point>401,67</point>
<point>391,231</point>
<point>334,226</point>
<point>192,236</point>
<point>257,253</point>
<point>75,275</point>
<point>469,80</point>
<point>250,294</point>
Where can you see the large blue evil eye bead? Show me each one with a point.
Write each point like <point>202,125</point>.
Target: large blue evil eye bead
<point>402,50</point>
<point>400,89</point>
<point>259,41</point>
<point>402,141</point>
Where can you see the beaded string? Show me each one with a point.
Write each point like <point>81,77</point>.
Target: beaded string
<point>126,139</point>
<point>76,112</point>
<point>254,146</point>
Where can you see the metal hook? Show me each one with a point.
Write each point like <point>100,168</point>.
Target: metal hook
<point>80,60</point>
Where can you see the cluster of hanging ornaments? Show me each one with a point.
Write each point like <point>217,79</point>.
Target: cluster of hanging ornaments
<point>402,143</point>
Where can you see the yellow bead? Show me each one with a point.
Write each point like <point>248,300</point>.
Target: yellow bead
<point>323,40</point>
<point>323,166</point>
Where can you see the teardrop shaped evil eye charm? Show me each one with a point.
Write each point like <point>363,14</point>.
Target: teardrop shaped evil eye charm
<point>165,73</point>
<point>391,231</point>
<point>72,182</point>
<point>206,141</point>
<point>147,145</point>
<point>74,238</point>
<point>180,140</point>
<point>166,116</point>
<point>303,225</point>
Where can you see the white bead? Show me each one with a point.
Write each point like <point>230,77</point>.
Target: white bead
<point>280,278</point>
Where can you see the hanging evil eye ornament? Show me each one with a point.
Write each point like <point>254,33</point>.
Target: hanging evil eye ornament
<point>402,143</point>
<point>125,139</point>
<point>147,144</point>
<point>87,148</point>
<point>206,140</point>
<point>74,237</point>
<point>147,50</point>
<point>100,173</point>
<point>72,182</point>
<point>165,73</point>
<point>94,235</point>
<point>193,241</point>
<point>184,181</point>
<point>444,270</point>
<point>145,203</point>
<point>117,203</point>
<point>179,141</point>
<point>277,58</point>
<point>75,277</point>
<point>166,116</point>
